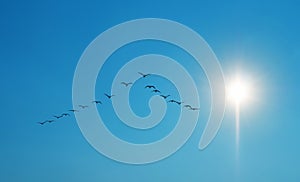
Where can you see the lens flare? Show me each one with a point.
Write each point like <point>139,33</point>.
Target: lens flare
<point>238,90</point>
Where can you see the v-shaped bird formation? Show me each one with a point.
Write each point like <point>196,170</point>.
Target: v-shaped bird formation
<point>152,88</point>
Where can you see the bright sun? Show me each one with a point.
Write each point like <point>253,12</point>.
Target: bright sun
<point>238,90</point>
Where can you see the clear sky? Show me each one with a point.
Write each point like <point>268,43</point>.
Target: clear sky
<point>42,41</point>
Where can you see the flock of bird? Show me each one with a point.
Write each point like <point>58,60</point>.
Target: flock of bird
<point>126,84</point>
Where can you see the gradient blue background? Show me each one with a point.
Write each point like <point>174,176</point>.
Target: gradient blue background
<point>41,43</point>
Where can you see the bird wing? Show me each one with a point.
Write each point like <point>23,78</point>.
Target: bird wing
<point>141,73</point>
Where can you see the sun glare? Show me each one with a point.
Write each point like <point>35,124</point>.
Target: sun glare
<point>238,90</point>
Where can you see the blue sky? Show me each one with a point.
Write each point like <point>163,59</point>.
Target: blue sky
<point>41,43</point>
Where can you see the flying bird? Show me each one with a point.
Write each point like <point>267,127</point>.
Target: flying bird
<point>156,91</point>
<point>143,75</point>
<point>42,123</point>
<point>188,106</point>
<point>65,114</point>
<point>109,96</point>
<point>126,84</point>
<point>49,121</point>
<point>179,103</point>
<point>57,117</point>
<point>191,108</point>
<point>165,96</point>
<point>97,102</point>
<point>83,106</point>
<point>174,101</point>
<point>150,86</point>
<point>73,110</point>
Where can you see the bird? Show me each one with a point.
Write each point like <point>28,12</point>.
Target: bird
<point>57,117</point>
<point>150,86</point>
<point>97,102</point>
<point>194,108</point>
<point>156,91</point>
<point>109,96</point>
<point>65,114</point>
<point>126,84</point>
<point>178,102</point>
<point>73,110</point>
<point>83,106</point>
<point>191,108</point>
<point>49,121</point>
<point>188,106</point>
<point>165,96</point>
<point>42,123</point>
<point>174,101</point>
<point>143,75</point>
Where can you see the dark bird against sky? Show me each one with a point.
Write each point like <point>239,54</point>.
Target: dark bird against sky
<point>174,101</point>
<point>126,84</point>
<point>83,106</point>
<point>143,75</point>
<point>194,108</point>
<point>109,96</point>
<point>165,96</point>
<point>187,106</point>
<point>150,86</point>
<point>44,122</point>
<point>156,91</point>
<point>191,108</point>
<point>73,110</point>
<point>97,102</point>
<point>65,114</point>
<point>57,117</point>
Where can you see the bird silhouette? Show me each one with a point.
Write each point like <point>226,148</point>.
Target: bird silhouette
<point>179,103</point>
<point>191,108</point>
<point>156,91</point>
<point>109,96</point>
<point>194,108</point>
<point>65,114</point>
<point>73,110</point>
<point>143,75</point>
<point>126,84</point>
<point>97,102</point>
<point>165,96</point>
<point>42,123</point>
<point>150,86</point>
<point>174,101</point>
<point>188,106</point>
<point>57,117</point>
<point>83,106</point>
